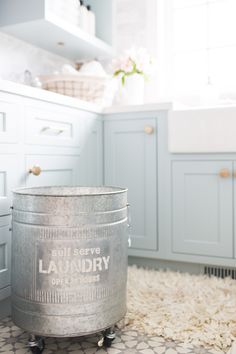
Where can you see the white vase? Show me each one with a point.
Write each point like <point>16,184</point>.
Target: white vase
<point>132,92</point>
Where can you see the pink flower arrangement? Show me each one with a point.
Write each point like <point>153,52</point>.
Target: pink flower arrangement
<point>134,61</point>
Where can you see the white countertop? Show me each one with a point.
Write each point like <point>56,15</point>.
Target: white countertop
<point>190,129</point>
<point>44,95</point>
<point>32,92</point>
<point>157,106</point>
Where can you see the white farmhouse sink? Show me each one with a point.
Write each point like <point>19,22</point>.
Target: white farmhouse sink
<point>202,130</point>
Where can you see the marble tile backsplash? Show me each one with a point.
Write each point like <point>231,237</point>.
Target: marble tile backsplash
<point>135,24</point>
<point>17,56</point>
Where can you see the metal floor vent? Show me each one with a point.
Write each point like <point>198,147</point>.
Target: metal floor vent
<point>220,272</point>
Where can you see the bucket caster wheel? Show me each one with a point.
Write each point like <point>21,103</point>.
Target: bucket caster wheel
<point>107,338</point>
<point>108,342</point>
<point>101,342</point>
<point>36,344</point>
<point>36,350</point>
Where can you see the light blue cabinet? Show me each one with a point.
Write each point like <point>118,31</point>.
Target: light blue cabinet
<point>5,252</point>
<point>90,169</point>
<point>42,24</point>
<point>11,168</point>
<point>131,161</point>
<point>66,143</point>
<point>202,208</point>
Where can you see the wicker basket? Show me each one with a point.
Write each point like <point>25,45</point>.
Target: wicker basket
<point>87,88</point>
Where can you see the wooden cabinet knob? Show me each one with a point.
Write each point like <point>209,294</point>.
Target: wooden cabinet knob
<point>225,173</point>
<point>148,129</point>
<point>35,170</point>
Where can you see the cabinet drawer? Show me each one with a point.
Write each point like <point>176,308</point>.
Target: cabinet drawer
<point>58,127</point>
<point>5,251</point>
<point>55,170</point>
<point>11,177</point>
<point>10,116</point>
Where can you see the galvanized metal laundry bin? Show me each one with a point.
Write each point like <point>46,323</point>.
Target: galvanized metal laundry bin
<point>69,259</point>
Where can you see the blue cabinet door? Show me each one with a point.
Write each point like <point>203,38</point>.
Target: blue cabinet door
<point>11,177</point>
<point>131,161</point>
<point>202,208</point>
<point>5,252</point>
<point>91,155</point>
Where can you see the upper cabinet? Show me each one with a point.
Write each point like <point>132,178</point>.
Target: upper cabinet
<point>34,21</point>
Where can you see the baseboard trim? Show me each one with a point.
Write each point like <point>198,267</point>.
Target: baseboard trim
<point>191,268</point>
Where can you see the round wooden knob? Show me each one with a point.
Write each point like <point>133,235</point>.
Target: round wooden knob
<point>148,129</point>
<point>224,173</point>
<point>35,170</point>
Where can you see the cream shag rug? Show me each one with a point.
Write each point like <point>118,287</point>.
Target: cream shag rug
<point>185,308</point>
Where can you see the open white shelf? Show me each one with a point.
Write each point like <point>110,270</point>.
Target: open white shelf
<point>31,22</point>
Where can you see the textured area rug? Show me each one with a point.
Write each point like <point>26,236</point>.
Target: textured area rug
<point>193,309</point>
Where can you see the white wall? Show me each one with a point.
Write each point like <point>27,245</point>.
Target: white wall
<point>17,56</point>
<point>136,25</point>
